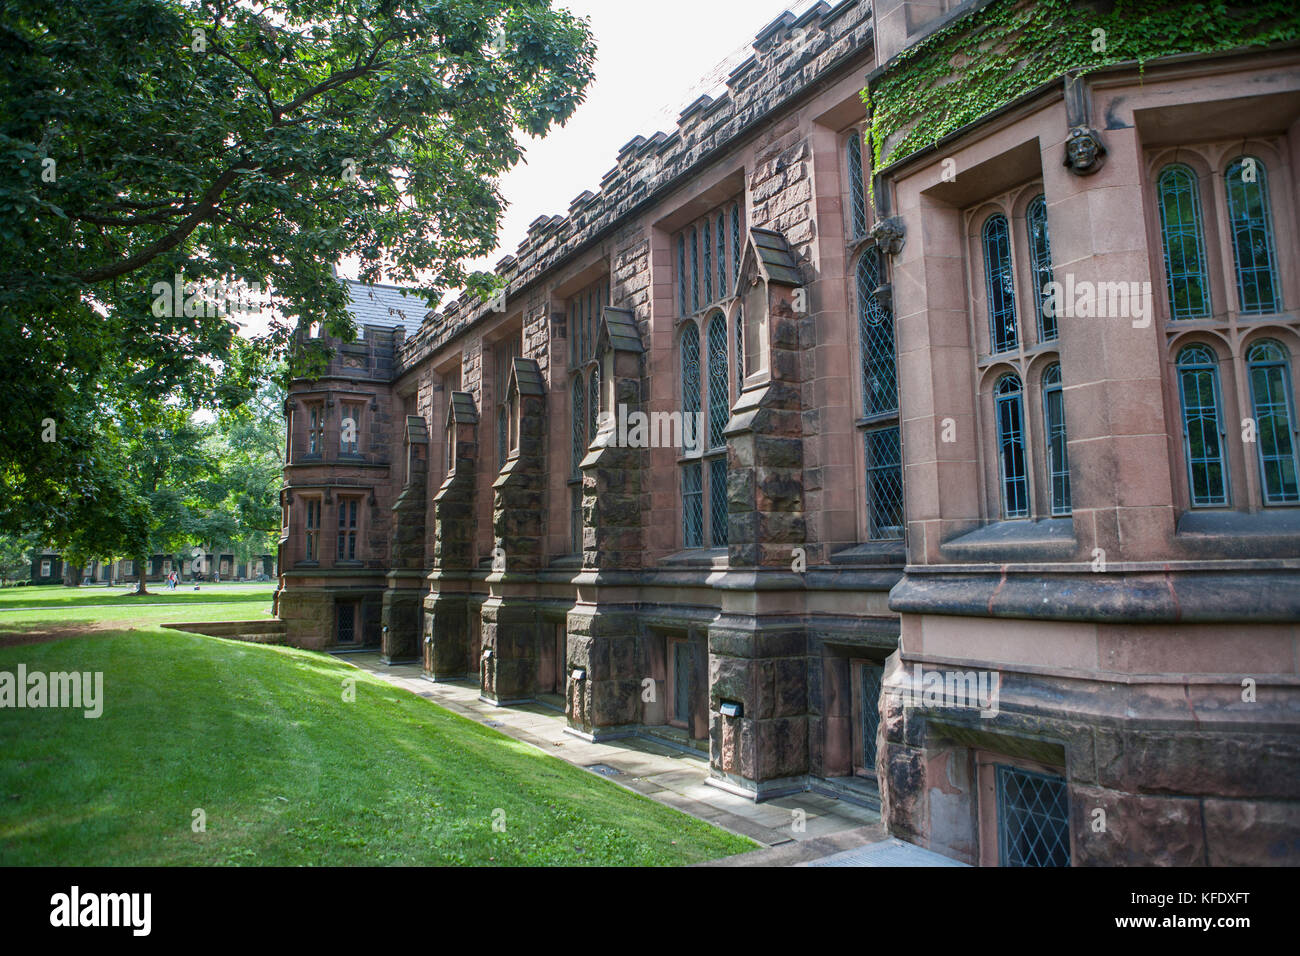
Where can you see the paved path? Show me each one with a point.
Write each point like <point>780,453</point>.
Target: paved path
<point>662,773</point>
<point>891,852</point>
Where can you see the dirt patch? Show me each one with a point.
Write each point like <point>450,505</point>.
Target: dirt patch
<point>60,632</point>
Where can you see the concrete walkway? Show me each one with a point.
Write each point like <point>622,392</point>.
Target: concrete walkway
<point>792,830</point>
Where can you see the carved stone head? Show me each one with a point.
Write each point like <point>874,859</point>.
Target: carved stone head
<point>889,234</point>
<point>1084,151</point>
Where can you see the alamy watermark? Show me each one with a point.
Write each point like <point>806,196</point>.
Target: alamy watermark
<point>75,909</point>
<point>975,690</point>
<point>1085,299</point>
<point>36,689</point>
<point>216,297</point>
<point>637,429</point>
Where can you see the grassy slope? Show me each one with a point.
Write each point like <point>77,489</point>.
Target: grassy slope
<point>287,772</point>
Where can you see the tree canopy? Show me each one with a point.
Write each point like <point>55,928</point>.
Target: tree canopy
<point>255,142</point>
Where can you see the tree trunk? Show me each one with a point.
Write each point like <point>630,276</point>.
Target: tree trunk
<point>141,568</point>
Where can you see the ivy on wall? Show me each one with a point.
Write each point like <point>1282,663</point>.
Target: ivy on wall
<point>984,60</point>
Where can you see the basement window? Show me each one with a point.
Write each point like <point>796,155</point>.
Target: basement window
<point>1033,818</point>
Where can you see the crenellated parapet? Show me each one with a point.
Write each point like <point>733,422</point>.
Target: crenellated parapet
<point>790,55</point>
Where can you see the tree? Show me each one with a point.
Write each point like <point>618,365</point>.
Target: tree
<point>16,555</point>
<point>159,457</point>
<point>220,140</point>
<point>248,446</point>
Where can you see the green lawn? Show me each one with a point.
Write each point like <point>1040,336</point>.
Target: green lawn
<point>56,595</point>
<point>286,771</point>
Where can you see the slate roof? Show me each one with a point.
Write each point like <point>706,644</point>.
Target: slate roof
<point>386,306</point>
<point>775,257</point>
<point>461,409</point>
<point>619,327</point>
<point>417,433</point>
<point>529,377</point>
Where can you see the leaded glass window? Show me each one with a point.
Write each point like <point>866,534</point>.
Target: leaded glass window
<point>1250,219</point>
<point>719,407</point>
<point>579,418</point>
<point>872,676</point>
<point>884,483</point>
<point>695,270</point>
<point>857,191</point>
<point>681,682</point>
<point>1000,284</point>
<point>1274,409</point>
<point>1011,447</point>
<point>312,529</point>
<point>740,349</point>
<point>876,339</point>
<point>503,426</point>
<point>1183,237</point>
<point>718,502</point>
<point>884,470</point>
<point>585,309</point>
<point>702,275</point>
<point>347,548</point>
<point>1058,463</point>
<point>690,349</point>
<point>708,262</point>
<point>1203,437</point>
<point>681,275</point>
<point>1033,818</point>
<point>692,505</point>
<point>735,247</point>
<point>315,430</point>
<point>702,257</point>
<point>1040,249</point>
<point>722,255</point>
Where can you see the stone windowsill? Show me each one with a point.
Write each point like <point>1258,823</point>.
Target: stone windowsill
<point>697,558</point>
<point>872,552</point>
<point>1270,521</point>
<point>1014,540</point>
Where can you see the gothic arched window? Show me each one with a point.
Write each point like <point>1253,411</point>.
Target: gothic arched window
<point>1203,444</point>
<point>1058,459</point>
<point>1274,410</point>
<point>1183,236</point>
<point>1251,222</point>
<point>1008,396</point>
<point>1040,250</point>
<point>1000,284</point>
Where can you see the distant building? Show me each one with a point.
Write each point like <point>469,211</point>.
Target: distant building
<point>48,567</point>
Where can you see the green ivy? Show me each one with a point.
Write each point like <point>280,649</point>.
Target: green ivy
<point>982,61</point>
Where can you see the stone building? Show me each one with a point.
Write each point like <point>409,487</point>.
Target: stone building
<point>48,567</point>
<point>926,511</point>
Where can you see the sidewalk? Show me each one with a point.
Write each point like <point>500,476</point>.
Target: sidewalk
<point>662,773</point>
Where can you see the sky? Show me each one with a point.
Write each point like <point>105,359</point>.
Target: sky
<point>652,60</point>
